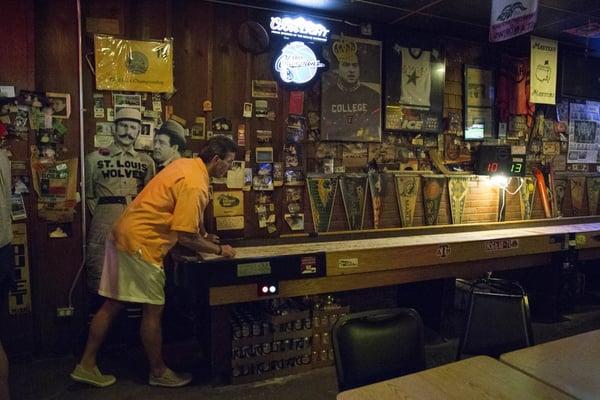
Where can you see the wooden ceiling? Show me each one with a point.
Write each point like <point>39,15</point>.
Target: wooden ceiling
<point>467,19</point>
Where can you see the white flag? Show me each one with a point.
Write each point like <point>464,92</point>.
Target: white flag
<point>512,18</point>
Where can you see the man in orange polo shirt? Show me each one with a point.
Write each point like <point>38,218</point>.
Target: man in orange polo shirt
<point>169,210</point>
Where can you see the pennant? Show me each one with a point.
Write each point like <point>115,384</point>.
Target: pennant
<point>593,192</point>
<point>433,188</point>
<point>510,18</point>
<point>458,188</point>
<point>354,195</point>
<point>377,184</point>
<point>560,187</point>
<point>527,196</point>
<point>321,192</point>
<point>577,187</point>
<point>407,188</point>
<point>543,62</point>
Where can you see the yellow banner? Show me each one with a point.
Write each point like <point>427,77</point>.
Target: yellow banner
<point>19,300</point>
<point>544,54</point>
<point>133,65</point>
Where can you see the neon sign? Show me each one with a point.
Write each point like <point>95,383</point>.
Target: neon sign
<point>297,64</point>
<point>298,28</point>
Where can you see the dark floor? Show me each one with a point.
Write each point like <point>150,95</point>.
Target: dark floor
<point>49,378</point>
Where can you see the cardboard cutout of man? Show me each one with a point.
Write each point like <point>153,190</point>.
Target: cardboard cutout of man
<point>169,143</point>
<point>114,176</point>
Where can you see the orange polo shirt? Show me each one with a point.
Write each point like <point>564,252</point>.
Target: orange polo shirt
<point>174,200</point>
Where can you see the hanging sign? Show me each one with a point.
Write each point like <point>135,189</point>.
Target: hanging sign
<point>544,53</point>
<point>512,18</point>
<point>299,28</point>
<point>297,64</point>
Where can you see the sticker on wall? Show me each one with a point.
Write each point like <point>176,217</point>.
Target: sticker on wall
<point>308,265</point>
<point>228,203</point>
<point>348,263</point>
<point>501,244</point>
<point>230,223</point>
<point>443,250</point>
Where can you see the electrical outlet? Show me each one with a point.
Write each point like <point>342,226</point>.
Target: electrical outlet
<point>64,312</point>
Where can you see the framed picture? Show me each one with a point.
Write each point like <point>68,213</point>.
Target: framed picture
<point>351,90</point>
<point>479,100</point>
<point>478,123</point>
<point>60,103</point>
<point>479,87</point>
<point>414,85</point>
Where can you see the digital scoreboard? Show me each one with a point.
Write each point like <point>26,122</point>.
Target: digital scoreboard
<point>498,160</point>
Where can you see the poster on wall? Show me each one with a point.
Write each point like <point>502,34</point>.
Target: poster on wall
<point>55,183</point>
<point>584,133</point>
<point>133,65</point>
<point>351,90</point>
<point>414,88</point>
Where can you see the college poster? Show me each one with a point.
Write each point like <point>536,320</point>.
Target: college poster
<point>133,65</point>
<point>351,91</point>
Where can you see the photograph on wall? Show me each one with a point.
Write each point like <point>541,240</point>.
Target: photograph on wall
<point>264,89</point>
<point>60,103</point>
<point>351,90</point>
<point>479,99</point>
<point>145,140</point>
<point>479,86</point>
<point>414,86</point>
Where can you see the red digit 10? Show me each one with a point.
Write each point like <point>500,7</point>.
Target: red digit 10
<point>492,167</point>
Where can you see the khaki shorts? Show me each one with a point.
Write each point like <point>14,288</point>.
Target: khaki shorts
<point>127,277</point>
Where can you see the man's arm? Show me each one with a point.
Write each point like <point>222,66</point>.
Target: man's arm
<point>197,243</point>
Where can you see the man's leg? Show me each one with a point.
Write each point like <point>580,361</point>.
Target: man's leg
<point>4,393</point>
<point>151,334</point>
<point>98,329</point>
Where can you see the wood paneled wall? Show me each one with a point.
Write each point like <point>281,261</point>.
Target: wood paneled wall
<point>40,40</point>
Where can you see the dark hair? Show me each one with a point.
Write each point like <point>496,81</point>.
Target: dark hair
<point>174,139</point>
<point>217,146</point>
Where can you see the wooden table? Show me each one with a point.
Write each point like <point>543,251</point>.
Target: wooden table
<point>479,377</point>
<point>571,364</point>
